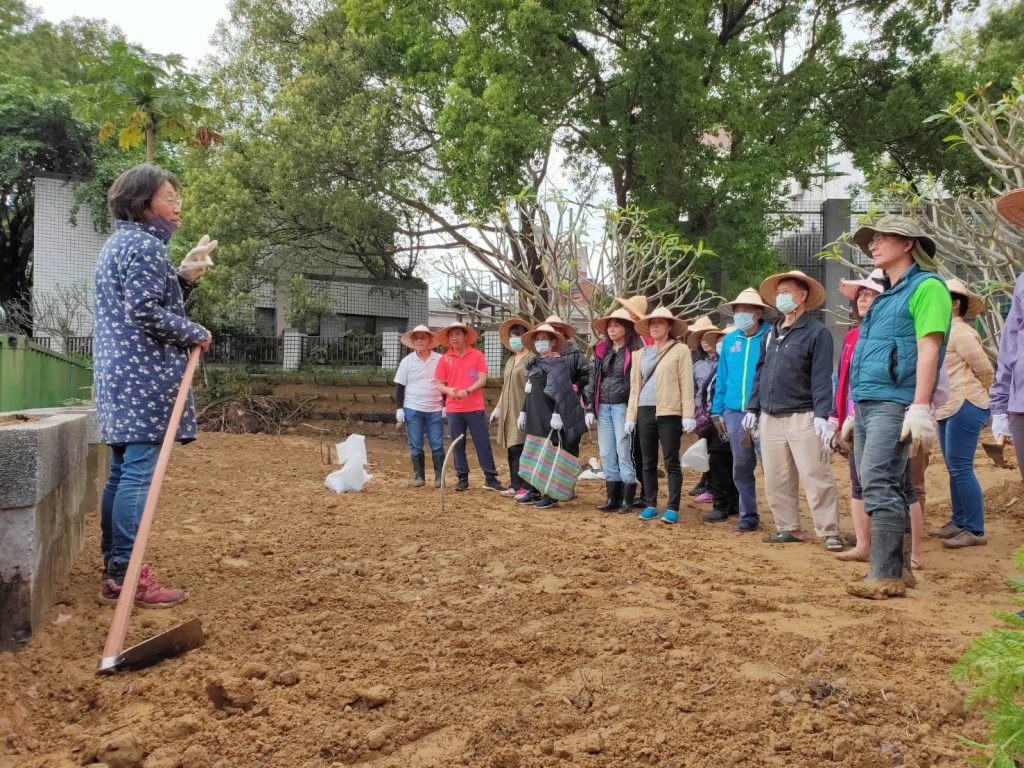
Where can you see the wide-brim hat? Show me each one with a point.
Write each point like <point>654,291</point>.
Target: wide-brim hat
<point>975,304</point>
<point>621,314</point>
<point>1011,206</point>
<point>441,337</point>
<point>850,288</point>
<point>924,253</point>
<point>699,329</point>
<point>530,336</point>
<point>637,305</point>
<point>677,329</point>
<point>749,297</point>
<point>561,326</point>
<point>505,330</point>
<point>406,338</point>
<point>815,290</point>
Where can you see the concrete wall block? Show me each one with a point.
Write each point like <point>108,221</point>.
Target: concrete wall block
<point>35,455</point>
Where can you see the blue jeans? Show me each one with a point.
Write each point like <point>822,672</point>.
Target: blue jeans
<point>744,461</point>
<point>124,498</point>
<point>881,459</point>
<point>614,443</point>
<point>476,424</point>
<point>958,436</point>
<point>418,422</point>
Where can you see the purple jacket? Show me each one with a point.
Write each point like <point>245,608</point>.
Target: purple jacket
<point>1007,390</point>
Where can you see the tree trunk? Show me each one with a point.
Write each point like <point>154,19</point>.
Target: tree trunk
<point>149,144</point>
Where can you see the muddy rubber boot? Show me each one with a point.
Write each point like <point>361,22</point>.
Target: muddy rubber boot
<point>417,470</point>
<point>908,572</point>
<point>437,459</point>
<point>613,501</point>
<point>628,497</point>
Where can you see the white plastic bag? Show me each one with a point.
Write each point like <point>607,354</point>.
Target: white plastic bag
<point>593,471</point>
<point>696,456</point>
<point>353,447</point>
<point>350,478</point>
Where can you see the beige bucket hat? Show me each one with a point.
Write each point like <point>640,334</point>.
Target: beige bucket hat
<point>1011,206</point>
<point>892,224</point>
<point>621,314</point>
<point>637,305</point>
<point>505,330</point>
<point>677,329</point>
<point>530,337</point>
<point>748,297</point>
<point>975,304</point>
<point>850,288</point>
<point>406,338</point>
<point>815,290</point>
<point>441,337</point>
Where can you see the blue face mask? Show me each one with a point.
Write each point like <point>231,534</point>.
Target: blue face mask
<point>784,303</point>
<point>744,321</point>
<point>543,346</point>
<point>516,343</point>
<point>719,347</point>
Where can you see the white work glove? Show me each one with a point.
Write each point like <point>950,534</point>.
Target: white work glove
<point>689,425</point>
<point>846,435</point>
<point>920,429</point>
<point>630,427</point>
<point>529,387</point>
<point>1001,425</point>
<point>444,413</point>
<point>589,420</point>
<point>521,420</point>
<point>494,415</point>
<point>556,421</point>
<point>824,430</point>
<point>749,420</point>
<point>198,260</point>
<point>400,415</point>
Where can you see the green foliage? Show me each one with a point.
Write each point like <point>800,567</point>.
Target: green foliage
<point>994,664</point>
<point>305,305</point>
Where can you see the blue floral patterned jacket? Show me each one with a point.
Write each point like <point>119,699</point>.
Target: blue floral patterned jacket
<point>141,337</point>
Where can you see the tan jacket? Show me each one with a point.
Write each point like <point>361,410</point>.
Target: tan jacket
<point>510,402</point>
<point>673,384</point>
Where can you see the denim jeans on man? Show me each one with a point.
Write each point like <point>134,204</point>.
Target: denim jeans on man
<point>418,423</point>
<point>744,461</point>
<point>958,436</point>
<point>476,423</point>
<point>614,444</point>
<point>124,498</point>
<point>882,464</point>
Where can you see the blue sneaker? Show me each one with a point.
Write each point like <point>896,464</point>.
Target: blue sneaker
<point>670,516</point>
<point>748,524</point>
<point>649,513</point>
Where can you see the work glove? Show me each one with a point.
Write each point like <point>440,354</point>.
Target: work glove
<point>400,415</point>
<point>556,421</point>
<point>444,413</point>
<point>720,426</point>
<point>1001,426</point>
<point>198,260</point>
<point>630,427</point>
<point>846,435</point>
<point>919,429</point>
<point>749,420</point>
<point>689,425</point>
<point>529,387</point>
<point>824,429</point>
<point>589,420</point>
<point>494,415</point>
<point>521,420</point>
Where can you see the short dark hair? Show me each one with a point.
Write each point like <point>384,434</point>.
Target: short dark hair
<point>960,304</point>
<point>132,192</point>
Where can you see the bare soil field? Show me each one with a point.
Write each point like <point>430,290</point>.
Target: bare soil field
<point>369,629</point>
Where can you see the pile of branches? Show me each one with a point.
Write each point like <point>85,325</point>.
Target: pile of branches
<point>251,413</point>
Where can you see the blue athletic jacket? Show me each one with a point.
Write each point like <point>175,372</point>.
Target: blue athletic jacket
<point>736,368</point>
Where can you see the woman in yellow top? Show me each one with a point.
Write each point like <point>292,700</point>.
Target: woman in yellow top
<point>661,407</point>
<point>962,417</point>
<point>510,402</point>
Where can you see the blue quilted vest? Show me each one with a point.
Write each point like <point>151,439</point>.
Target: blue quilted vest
<point>885,361</point>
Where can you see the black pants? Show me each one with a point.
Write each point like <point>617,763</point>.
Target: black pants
<point>515,452</point>
<point>666,431</point>
<point>719,477</point>
<point>638,464</point>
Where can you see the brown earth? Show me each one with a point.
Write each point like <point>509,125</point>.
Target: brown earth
<point>368,629</point>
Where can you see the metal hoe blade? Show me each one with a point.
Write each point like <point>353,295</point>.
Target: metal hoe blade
<point>995,452</point>
<point>444,466</point>
<point>173,642</point>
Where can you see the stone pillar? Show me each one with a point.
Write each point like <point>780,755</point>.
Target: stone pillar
<point>835,221</point>
<point>292,349</point>
<point>493,352</point>
<point>392,350</point>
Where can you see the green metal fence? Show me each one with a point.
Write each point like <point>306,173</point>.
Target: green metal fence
<point>32,376</point>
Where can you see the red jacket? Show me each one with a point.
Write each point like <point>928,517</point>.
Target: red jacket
<point>843,385</point>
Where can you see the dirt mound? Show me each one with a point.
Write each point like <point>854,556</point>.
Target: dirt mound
<point>367,629</point>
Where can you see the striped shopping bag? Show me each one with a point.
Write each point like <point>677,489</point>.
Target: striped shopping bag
<point>551,470</point>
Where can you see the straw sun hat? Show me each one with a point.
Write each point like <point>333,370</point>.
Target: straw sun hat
<point>561,326</point>
<point>530,337</point>
<point>975,304</point>
<point>441,337</point>
<point>748,297</point>
<point>677,327</point>
<point>1011,206</point>
<point>505,330</point>
<point>621,314</point>
<point>406,338</point>
<point>700,329</point>
<point>815,291</point>
<point>636,305</point>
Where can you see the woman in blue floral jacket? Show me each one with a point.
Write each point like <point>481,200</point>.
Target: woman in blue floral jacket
<point>141,344</point>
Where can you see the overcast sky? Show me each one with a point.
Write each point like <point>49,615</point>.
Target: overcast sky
<point>180,26</point>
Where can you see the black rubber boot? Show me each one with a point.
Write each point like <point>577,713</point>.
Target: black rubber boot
<point>718,514</point>
<point>417,470</point>
<point>628,497</point>
<point>437,458</point>
<point>614,491</point>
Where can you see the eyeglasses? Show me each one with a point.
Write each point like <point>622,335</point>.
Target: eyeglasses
<point>173,201</point>
<point>879,237</point>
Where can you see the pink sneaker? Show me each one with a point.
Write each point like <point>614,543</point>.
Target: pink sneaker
<point>152,595</point>
<point>705,498</point>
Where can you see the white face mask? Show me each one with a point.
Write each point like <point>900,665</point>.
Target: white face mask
<point>543,346</point>
<point>743,320</point>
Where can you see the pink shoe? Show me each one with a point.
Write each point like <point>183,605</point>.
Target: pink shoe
<point>705,498</point>
<point>152,595</point>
